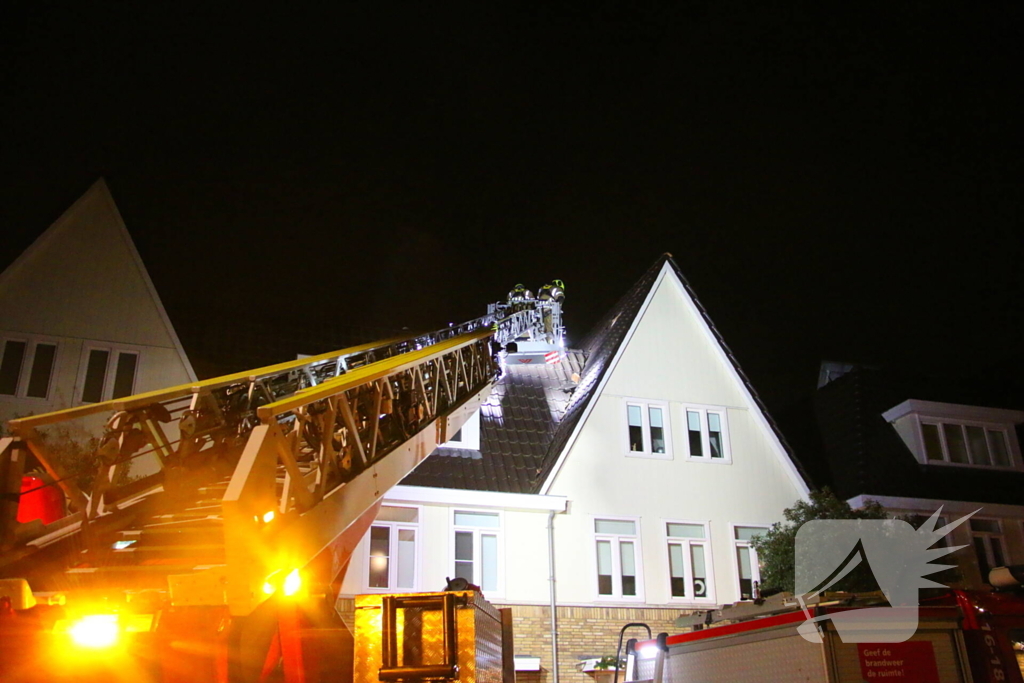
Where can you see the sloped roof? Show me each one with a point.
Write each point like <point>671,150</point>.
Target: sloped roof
<point>518,455</point>
<point>866,456</point>
<point>516,426</point>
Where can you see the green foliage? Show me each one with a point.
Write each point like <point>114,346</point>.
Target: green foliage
<point>607,663</point>
<point>776,548</point>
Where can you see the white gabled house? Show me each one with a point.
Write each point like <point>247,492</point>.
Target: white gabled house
<point>645,461</point>
<point>80,320</point>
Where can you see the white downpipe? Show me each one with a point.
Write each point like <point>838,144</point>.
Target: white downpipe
<point>554,602</point>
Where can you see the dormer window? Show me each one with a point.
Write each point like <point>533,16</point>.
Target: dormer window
<point>959,435</point>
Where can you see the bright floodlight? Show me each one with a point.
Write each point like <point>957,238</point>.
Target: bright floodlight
<point>648,651</point>
<point>268,517</point>
<point>95,631</point>
<point>292,583</point>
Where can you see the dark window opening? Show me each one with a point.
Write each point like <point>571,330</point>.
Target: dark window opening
<point>10,368</point>
<point>42,371</point>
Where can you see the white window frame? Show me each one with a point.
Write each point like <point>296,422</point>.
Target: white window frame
<point>755,566</point>
<point>478,531</point>
<point>909,417</point>
<point>615,539</point>
<point>111,371</point>
<point>31,341</point>
<point>705,438</point>
<point>395,527</point>
<point>1003,429</point>
<point>687,544</point>
<point>645,405</point>
<point>986,539</point>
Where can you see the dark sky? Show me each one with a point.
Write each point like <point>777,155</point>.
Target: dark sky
<point>838,180</point>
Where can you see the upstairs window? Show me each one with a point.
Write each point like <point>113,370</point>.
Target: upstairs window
<point>617,546</point>
<point>647,429</point>
<point>958,435</point>
<point>689,561</point>
<point>108,374</point>
<point>965,444</point>
<point>26,368</point>
<point>392,562</point>
<point>707,433</point>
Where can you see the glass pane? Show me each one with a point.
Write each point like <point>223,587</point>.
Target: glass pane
<point>700,586</point>
<point>997,552</point>
<point>458,437</point>
<point>932,445</point>
<point>464,545</point>
<point>635,416</point>
<point>380,545</point>
<point>997,443</point>
<point>636,429</point>
<point>715,435</point>
<point>628,565</point>
<point>124,376</point>
<point>743,557</point>
<point>464,570</point>
<point>979,449</point>
<point>615,526</point>
<point>604,567</point>
<point>406,559</point>
<point>982,554</point>
<point>988,525</point>
<point>746,576</point>
<point>955,443</point>
<point>10,368</point>
<point>481,519</point>
<point>42,370</point>
<point>677,571</point>
<point>747,533</point>
<point>489,562</point>
<point>693,421</point>
<point>95,375</point>
<point>685,530</point>
<point>657,431</point>
<point>389,513</point>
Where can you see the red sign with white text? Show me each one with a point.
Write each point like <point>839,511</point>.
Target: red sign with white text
<point>909,661</point>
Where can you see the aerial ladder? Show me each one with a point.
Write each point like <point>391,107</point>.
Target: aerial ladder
<point>265,482</point>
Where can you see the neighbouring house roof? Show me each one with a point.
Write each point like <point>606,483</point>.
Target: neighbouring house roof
<point>866,456</point>
<point>518,455</point>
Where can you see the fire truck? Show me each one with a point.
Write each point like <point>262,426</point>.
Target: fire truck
<point>224,562</point>
<point>958,637</point>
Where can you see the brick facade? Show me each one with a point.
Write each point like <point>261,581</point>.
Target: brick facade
<point>583,633</point>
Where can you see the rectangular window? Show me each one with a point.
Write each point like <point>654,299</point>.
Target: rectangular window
<point>26,368</point>
<point>392,549</point>
<point>10,367</point>
<point>689,561</point>
<point>647,429</point>
<point>617,546</point>
<point>747,564</point>
<point>104,380</point>
<point>965,444</point>
<point>477,549</point>
<point>42,371</point>
<point>707,428</point>
<point>987,536</point>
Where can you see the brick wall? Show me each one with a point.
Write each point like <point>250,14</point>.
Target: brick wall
<point>583,632</point>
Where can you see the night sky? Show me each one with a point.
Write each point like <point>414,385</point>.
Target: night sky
<point>839,181</point>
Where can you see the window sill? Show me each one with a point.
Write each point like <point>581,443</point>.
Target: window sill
<point>709,461</point>
<point>967,465</point>
<point>649,456</point>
